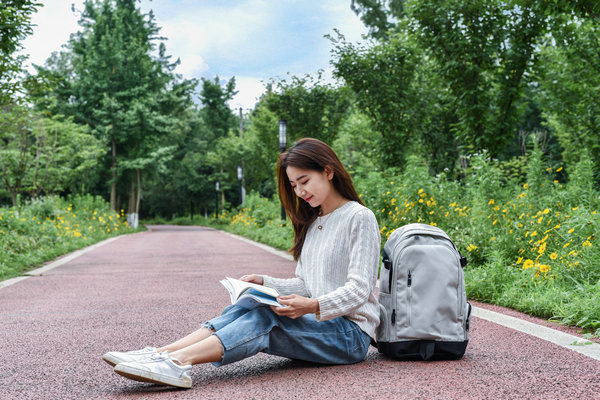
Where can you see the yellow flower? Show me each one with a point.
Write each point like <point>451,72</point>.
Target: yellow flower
<point>560,169</point>
<point>571,230</point>
<point>420,191</point>
<point>471,247</point>
<point>525,186</point>
<point>491,202</point>
<point>587,243</point>
<point>542,248</point>
<point>544,268</point>
<point>519,260</point>
<point>553,256</point>
<point>546,211</point>
<point>527,264</point>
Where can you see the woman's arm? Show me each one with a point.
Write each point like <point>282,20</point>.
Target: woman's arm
<point>364,246</point>
<point>290,285</point>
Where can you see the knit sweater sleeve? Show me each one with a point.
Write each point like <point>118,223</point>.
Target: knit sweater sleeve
<point>364,246</point>
<point>294,285</point>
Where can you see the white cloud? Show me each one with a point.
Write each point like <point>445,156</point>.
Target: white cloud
<point>191,65</point>
<point>53,24</point>
<point>249,91</point>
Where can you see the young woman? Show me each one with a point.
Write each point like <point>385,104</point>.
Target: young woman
<point>330,311</point>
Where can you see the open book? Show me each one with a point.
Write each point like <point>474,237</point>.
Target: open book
<point>250,295</point>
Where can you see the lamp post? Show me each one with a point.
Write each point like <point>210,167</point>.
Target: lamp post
<point>282,146</point>
<point>240,175</point>
<point>217,199</point>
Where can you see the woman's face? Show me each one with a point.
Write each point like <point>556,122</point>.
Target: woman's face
<point>312,186</point>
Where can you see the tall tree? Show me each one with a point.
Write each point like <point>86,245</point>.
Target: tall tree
<point>310,107</point>
<point>215,111</point>
<point>449,75</point>
<point>44,155</point>
<point>15,25</point>
<point>569,78</point>
<point>485,50</point>
<point>117,89</point>
<point>400,90</point>
<point>380,16</point>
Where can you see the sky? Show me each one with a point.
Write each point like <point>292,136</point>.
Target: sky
<point>253,40</point>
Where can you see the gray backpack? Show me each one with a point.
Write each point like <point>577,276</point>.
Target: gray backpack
<point>423,305</point>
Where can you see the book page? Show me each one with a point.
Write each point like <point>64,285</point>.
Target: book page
<point>237,287</point>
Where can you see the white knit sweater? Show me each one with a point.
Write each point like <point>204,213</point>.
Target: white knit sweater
<point>338,266</point>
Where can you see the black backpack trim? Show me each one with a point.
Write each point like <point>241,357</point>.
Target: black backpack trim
<point>423,350</point>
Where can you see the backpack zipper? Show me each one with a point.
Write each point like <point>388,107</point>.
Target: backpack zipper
<point>409,295</point>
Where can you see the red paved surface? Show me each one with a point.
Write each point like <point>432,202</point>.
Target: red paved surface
<point>153,287</point>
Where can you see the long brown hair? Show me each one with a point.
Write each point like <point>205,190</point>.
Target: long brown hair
<point>311,154</point>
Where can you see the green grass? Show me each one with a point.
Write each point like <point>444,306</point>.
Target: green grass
<point>44,229</point>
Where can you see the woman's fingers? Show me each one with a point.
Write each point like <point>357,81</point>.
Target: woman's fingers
<point>253,278</point>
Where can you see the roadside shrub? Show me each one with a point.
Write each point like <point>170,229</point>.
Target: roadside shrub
<point>48,227</point>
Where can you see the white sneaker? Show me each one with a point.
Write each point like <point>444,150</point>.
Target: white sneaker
<point>157,368</point>
<point>117,357</point>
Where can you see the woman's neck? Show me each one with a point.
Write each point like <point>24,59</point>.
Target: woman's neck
<point>332,204</point>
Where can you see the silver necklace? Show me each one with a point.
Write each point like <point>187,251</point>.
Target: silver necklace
<point>322,221</point>
<point>324,218</point>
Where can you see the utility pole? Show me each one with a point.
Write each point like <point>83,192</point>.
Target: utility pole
<point>241,166</point>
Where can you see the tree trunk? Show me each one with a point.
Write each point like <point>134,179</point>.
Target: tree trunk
<point>113,184</point>
<point>131,202</point>
<point>13,197</point>
<point>139,191</point>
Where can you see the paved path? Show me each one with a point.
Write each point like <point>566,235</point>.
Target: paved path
<point>153,287</point>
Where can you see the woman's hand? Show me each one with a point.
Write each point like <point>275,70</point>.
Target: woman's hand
<point>296,306</point>
<point>253,278</point>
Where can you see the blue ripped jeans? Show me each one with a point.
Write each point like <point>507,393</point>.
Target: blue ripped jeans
<point>244,333</point>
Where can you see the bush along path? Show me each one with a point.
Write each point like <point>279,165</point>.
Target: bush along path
<point>44,229</point>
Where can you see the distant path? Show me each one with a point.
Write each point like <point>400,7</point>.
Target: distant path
<point>153,287</point>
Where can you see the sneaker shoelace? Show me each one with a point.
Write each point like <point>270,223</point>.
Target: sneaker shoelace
<point>163,356</point>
